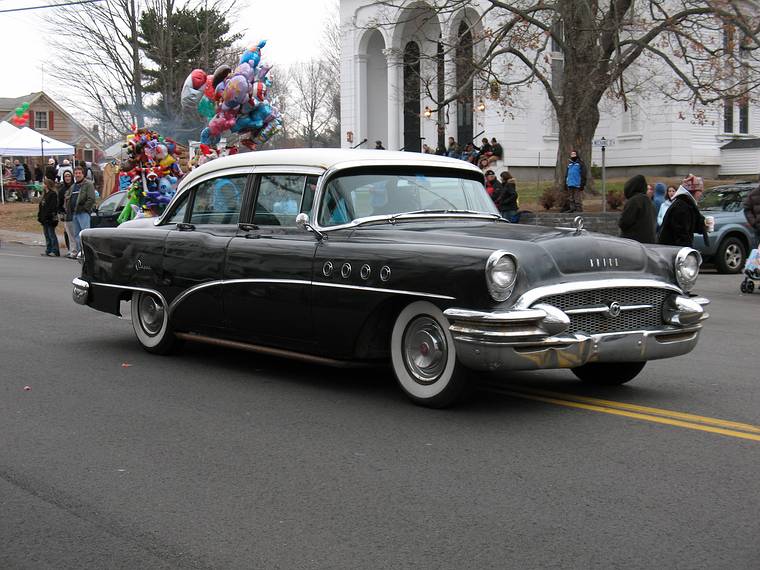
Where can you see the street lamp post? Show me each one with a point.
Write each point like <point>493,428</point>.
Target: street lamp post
<point>604,175</point>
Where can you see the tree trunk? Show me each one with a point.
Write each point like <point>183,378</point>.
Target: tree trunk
<point>136,67</point>
<point>577,126</point>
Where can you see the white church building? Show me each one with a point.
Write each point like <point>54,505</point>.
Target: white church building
<point>379,102</point>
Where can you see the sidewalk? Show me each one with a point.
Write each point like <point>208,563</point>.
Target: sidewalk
<point>25,238</point>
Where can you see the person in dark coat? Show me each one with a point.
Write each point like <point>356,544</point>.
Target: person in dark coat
<point>638,219</point>
<point>507,198</point>
<point>751,207</point>
<point>47,215</point>
<point>493,187</point>
<point>683,218</point>
<point>51,170</point>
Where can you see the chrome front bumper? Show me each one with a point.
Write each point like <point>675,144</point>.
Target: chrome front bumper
<point>534,338</point>
<point>81,291</point>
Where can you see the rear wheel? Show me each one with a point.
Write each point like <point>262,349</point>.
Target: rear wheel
<point>424,358</point>
<point>608,373</point>
<point>150,320</point>
<point>730,256</point>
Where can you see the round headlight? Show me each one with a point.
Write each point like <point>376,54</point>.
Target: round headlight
<point>501,274</point>
<point>687,267</point>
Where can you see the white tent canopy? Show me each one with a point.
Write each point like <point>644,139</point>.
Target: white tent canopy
<point>6,129</point>
<point>28,142</point>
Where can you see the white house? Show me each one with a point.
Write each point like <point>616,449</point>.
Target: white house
<point>378,102</point>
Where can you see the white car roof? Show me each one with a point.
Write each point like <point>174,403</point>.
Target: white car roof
<point>326,158</point>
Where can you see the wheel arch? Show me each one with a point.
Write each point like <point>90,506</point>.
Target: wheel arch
<point>374,338</point>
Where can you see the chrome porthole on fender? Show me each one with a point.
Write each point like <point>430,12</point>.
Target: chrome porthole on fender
<point>365,272</point>
<point>327,268</point>
<point>345,271</point>
<point>385,273</point>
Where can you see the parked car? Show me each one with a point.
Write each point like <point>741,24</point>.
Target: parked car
<point>108,211</point>
<point>733,238</point>
<point>349,257</point>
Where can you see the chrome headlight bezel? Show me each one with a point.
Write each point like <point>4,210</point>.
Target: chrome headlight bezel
<point>686,275</point>
<point>500,289</point>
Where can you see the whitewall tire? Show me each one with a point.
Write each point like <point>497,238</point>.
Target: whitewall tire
<point>150,321</point>
<point>424,357</point>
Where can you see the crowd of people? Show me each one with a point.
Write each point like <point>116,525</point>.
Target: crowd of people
<point>26,183</point>
<point>484,155</point>
<point>664,215</point>
<point>71,202</point>
<point>67,195</point>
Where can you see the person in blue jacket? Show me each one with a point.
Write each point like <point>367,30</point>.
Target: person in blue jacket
<point>575,182</point>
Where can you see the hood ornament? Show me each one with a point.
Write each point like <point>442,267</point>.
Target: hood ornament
<point>578,221</point>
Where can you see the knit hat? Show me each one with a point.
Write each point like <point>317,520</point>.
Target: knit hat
<point>693,184</point>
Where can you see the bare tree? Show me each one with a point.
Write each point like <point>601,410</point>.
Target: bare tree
<point>582,51</point>
<point>309,106</point>
<point>102,68</point>
<point>331,41</point>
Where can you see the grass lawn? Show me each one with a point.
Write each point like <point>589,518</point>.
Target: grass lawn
<point>19,217</point>
<point>530,192</point>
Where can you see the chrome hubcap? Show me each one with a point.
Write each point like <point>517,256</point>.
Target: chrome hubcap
<point>151,314</point>
<point>425,350</point>
<point>733,256</point>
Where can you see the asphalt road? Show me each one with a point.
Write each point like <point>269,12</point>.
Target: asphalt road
<point>222,459</point>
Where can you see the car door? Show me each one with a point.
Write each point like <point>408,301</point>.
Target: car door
<point>267,293</point>
<point>109,210</point>
<point>195,249</point>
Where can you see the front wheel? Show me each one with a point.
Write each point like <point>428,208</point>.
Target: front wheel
<point>150,320</point>
<point>730,256</point>
<point>608,373</point>
<point>424,358</point>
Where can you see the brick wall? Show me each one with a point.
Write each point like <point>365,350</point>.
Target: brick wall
<point>606,223</point>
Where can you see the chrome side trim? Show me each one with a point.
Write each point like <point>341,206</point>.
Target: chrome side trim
<point>530,297</point>
<point>130,288</point>
<point>270,351</point>
<point>182,296</point>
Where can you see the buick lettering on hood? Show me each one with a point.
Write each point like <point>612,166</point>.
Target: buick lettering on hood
<point>354,257</point>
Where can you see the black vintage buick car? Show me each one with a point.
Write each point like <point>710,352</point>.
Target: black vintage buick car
<point>343,257</point>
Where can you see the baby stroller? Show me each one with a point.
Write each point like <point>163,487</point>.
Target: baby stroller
<point>751,271</point>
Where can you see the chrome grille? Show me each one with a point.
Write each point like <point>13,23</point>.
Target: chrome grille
<point>596,323</point>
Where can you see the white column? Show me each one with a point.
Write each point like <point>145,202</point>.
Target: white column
<point>360,100</point>
<point>395,99</point>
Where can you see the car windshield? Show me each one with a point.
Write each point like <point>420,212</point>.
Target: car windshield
<point>723,199</point>
<point>354,196</point>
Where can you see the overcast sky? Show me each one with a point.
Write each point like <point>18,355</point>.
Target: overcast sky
<point>292,29</point>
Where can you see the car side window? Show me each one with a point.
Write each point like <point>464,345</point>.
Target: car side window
<point>279,199</point>
<point>108,206</point>
<point>218,201</point>
<point>179,207</point>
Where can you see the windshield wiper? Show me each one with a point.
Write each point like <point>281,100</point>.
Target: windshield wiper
<point>394,217</point>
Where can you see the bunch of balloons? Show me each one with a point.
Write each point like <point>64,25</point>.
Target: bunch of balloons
<point>153,171</point>
<point>21,115</point>
<point>234,100</point>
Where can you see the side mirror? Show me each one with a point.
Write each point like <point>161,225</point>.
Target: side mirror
<point>302,222</point>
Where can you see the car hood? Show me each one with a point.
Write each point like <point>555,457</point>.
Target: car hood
<point>550,250</point>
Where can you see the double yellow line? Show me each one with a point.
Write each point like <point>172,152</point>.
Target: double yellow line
<point>656,415</point>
